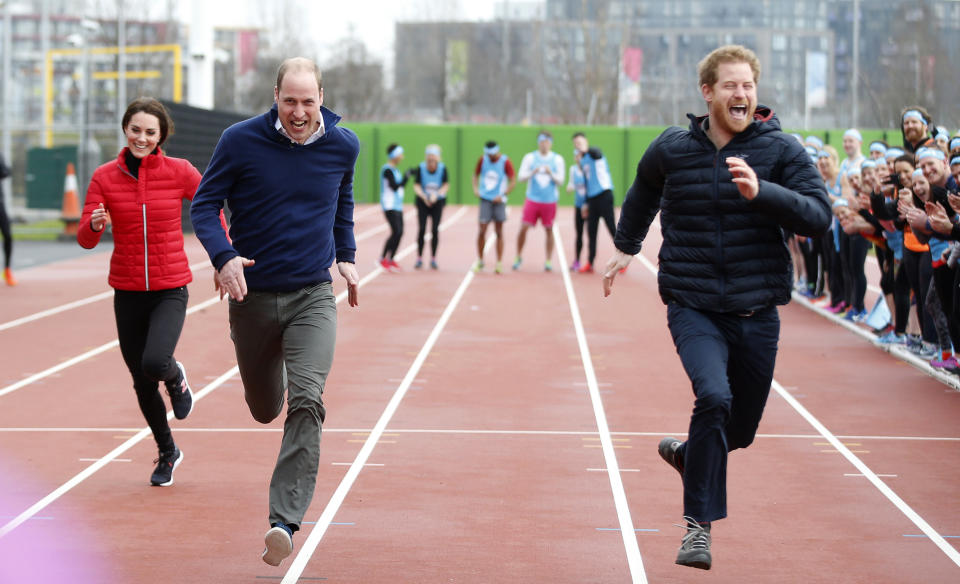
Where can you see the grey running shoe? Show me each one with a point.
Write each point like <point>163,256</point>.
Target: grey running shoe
<point>695,548</point>
<point>279,544</point>
<point>668,451</point>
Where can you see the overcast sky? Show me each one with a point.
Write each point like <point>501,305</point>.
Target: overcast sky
<point>372,20</point>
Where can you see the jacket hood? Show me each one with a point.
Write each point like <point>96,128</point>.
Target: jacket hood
<point>764,120</point>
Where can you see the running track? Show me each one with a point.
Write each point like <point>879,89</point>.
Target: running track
<point>480,429</point>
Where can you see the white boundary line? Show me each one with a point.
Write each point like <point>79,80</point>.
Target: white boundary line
<point>112,455</point>
<point>299,563</point>
<point>899,503</point>
<point>632,547</point>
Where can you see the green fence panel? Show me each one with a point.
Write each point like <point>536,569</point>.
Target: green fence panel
<point>46,172</point>
<point>462,147</point>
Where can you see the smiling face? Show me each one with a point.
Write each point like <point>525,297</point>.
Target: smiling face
<point>143,134</point>
<point>934,170</point>
<point>851,146</point>
<point>298,104</point>
<point>905,171</point>
<point>732,100</point>
<point>914,130</point>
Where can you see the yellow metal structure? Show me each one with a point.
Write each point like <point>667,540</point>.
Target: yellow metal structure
<point>54,53</point>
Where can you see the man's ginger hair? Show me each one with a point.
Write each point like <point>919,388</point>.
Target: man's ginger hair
<point>707,69</point>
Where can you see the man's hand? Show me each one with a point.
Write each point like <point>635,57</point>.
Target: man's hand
<point>954,201</point>
<point>619,261</point>
<point>937,216</point>
<point>904,202</point>
<point>744,177</point>
<point>917,220</point>
<point>349,273</point>
<point>230,278</point>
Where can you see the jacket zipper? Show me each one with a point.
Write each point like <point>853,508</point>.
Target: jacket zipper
<point>146,251</point>
<point>719,228</point>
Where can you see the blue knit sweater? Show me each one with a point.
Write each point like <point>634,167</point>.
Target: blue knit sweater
<point>291,205</point>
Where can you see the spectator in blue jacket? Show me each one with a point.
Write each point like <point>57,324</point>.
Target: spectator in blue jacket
<point>727,187</point>
<point>287,176</point>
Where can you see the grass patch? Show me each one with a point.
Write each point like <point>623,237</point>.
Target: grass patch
<point>38,230</point>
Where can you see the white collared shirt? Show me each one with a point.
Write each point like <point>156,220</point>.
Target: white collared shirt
<point>313,137</point>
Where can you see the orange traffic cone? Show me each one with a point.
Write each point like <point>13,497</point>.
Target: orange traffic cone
<point>70,213</point>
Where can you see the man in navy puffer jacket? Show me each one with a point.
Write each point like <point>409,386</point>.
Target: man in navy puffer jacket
<point>725,188</point>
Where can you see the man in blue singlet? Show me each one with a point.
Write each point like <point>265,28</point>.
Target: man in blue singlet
<point>493,179</point>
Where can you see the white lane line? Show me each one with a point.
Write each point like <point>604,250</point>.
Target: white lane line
<point>630,544</point>
<point>112,455</point>
<point>899,503</point>
<point>467,431</point>
<point>380,228</point>
<point>365,212</point>
<point>75,304</point>
<point>96,459</point>
<point>114,343</point>
<point>407,250</point>
<point>336,500</point>
<point>83,357</point>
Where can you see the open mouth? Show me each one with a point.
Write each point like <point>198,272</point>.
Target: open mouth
<point>299,125</point>
<point>738,112</point>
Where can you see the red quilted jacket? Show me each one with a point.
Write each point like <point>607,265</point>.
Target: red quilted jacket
<point>145,214</point>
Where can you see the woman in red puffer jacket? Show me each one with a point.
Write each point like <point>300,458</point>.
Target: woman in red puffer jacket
<point>141,193</point>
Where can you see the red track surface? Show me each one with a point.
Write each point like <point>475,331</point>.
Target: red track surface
<point>488,465</point>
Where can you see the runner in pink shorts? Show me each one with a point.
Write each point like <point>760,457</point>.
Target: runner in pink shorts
<point>534,211</point>
<point>543,170</point>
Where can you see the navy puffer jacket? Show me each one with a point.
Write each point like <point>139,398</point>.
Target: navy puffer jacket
<point>720,252</point>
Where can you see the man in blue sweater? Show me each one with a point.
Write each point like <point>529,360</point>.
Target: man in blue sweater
<point>725,189</point>
<point>287,177</point>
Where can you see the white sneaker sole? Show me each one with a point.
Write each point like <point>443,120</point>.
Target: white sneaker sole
<point>279,545</point>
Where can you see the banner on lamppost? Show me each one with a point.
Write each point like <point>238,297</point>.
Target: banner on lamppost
<point>455,70</point>
<point>816,83</point>
<point>630,73</point>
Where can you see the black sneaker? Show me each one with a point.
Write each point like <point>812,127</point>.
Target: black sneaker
<point>279,544</point>
<point>695,548</point>
<point>668,451</point>
<point>166,462</point>
<point>181,398</point>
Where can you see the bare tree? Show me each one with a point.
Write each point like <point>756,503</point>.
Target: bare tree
<point>353,81</point>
